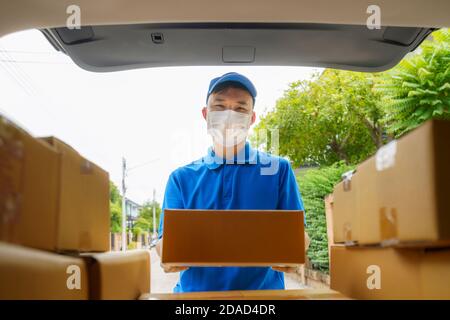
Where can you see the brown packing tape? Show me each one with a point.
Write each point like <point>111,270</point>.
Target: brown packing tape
<point>10,206</point>
<point>347,184</point>
<point>347,232</point>
<point>329,203</point>
<point>86,167</point>
<point>11,171</point>
<point>388,224</point>
<point>85,240</point>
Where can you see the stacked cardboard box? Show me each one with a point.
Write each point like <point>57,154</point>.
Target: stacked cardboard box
<point>27,273</point>
<point>83,207</point>
<point>394,212</point>
<point>54,206</point>
<point>51,198</point>
<point>390,273</point>
<point>399,196</point>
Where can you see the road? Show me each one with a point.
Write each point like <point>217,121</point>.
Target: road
<point>164,282</point>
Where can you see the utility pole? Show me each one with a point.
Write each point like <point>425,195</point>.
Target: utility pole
<point>125,171</point>
<point>124,215</point>
<point>154,215</point>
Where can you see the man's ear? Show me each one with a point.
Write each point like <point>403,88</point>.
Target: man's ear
<point>204,112</point>
<point>253,118</point>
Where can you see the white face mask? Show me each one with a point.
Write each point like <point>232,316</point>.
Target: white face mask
<point>228,128</point>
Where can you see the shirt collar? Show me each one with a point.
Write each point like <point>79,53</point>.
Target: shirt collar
<point>246,155</point>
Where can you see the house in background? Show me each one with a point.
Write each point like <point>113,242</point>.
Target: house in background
<point>132,210</point>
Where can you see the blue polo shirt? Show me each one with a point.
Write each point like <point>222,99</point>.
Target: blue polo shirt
<point>252,180</point>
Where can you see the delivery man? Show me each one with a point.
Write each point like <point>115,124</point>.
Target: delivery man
<point>232,175</point>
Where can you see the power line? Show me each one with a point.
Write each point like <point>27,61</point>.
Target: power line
<point>15,78</point>
<point>31,61</point>
<point>21,78</point>
<point>142,164</point>
<point>18,73</point>
<point>28,52</point>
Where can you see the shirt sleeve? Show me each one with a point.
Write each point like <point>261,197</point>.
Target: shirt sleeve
<point>289,194</point>
<point>172,200</point>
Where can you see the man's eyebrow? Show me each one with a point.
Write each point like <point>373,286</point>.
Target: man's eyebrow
<point>217,99</point>
<point>242,102</point>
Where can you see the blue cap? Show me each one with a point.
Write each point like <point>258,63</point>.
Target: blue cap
<point>235,77</point>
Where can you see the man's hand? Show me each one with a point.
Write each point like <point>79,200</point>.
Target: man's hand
<point>307,241</point>
<point>170,269</point>
<point>167,269</point>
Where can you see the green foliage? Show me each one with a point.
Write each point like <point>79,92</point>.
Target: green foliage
<point>143,223</point>
<point>141,226</point>
<point>132,245</point>
<point>314,185</point>
<point>114,194</point>
<point>115,207</point>
<point>145,219</point>
<point>115,217</point>
<point>332,117</point>
<point>418,88</point>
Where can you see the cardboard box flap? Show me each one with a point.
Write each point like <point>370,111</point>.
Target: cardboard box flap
<point>119,275</point>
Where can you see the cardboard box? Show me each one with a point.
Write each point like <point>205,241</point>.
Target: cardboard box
<point>50,197</point>
<point>233,238</point>
<point>301,294</point>
<point>28,188</point>
<point>83,212</point>
<point>118,275</point>
<point>390,273</point>
<point>33,274</point>
<point>413,181</point>
<point>345,217</point>
<point>401,193</point>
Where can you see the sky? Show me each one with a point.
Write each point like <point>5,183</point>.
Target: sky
<point>152,117</point>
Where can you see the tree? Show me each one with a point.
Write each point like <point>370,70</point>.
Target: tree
<point>332,117</point>
<point>115,217</point>
<point>418,88</point>
<point>141,226</point>
<point>115,205</point>
<point>144,222</point>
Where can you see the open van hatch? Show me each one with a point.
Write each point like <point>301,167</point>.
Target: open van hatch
<point>123,47</point>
